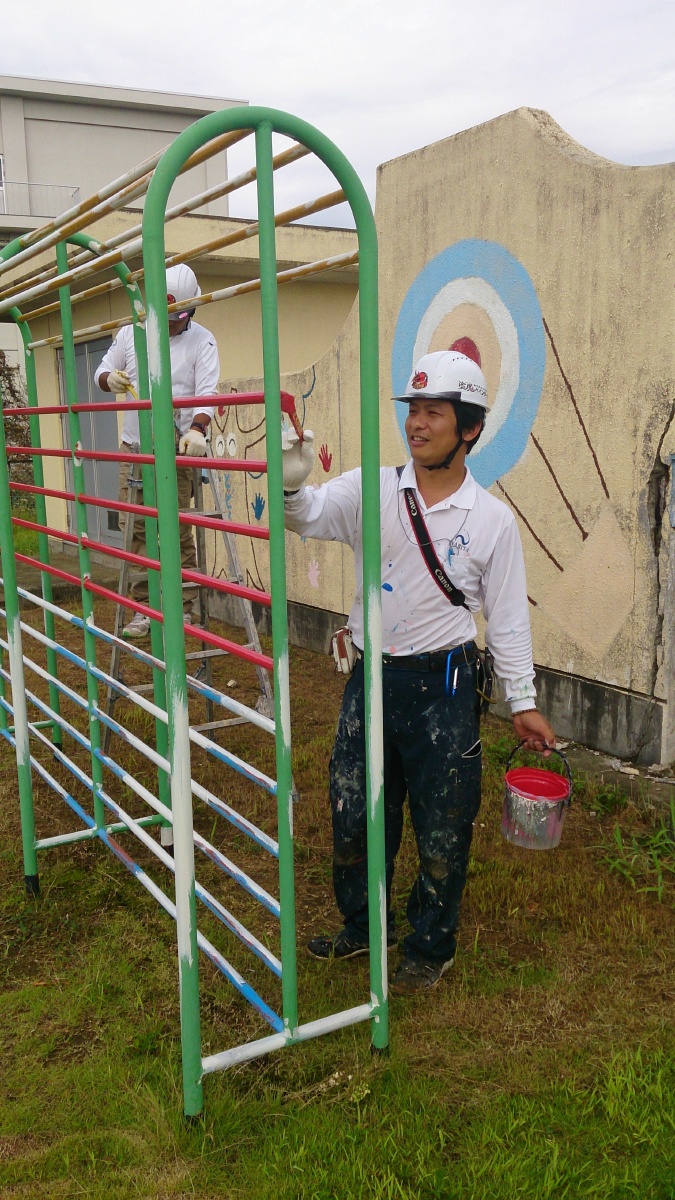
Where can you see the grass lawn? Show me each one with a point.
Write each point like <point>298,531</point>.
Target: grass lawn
<point>542,1066</point>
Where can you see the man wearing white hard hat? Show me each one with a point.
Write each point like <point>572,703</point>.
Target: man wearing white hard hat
<point>449,550</point>
<point>194,372</point>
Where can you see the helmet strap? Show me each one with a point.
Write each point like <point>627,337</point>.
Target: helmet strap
<point>443,466</point>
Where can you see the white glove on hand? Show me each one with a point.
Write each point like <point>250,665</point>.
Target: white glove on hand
<point>192,443</point>
<point>119,382</point>
<point>297,458</point>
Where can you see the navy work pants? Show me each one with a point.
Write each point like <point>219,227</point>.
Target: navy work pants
<point>431,754</point>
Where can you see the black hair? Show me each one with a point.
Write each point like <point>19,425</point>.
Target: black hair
<point>468,416</point>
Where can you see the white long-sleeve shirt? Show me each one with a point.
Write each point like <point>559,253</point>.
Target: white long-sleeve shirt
<point>475,538</point>
<point>195,370</point>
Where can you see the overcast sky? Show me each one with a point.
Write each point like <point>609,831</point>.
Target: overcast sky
<point>380,78</point>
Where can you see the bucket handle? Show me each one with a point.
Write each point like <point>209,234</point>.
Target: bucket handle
<point>552,749</point>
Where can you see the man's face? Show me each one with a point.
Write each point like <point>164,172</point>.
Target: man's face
<point>431,430</point>
<point>176,327</point>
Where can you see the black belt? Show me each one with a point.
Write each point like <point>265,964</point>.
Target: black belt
<point>435,660</point>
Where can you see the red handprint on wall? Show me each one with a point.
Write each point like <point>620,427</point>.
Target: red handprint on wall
<point>325,458</point>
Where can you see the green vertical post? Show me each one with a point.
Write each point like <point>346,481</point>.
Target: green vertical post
<point>275,508</point>
<point>21,736</point>
<point>41,514</point>
<point>70,378</point>
<point>159,366</point>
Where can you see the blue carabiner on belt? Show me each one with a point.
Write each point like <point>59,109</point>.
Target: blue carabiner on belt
<point>447,676</point>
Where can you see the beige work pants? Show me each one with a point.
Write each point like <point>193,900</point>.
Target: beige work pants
<point>138,589</point>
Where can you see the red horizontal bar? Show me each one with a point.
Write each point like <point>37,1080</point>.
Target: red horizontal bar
<point>201,635</point>
<point>224,401</point>
<point>114,405</point>
<point>142,405</point>
<point>143,510</point>
<point>221,525</point>
<point>232,589</point>
<point>38,450</point>
<point>139,560</point>
<point>152,564</point>
<point>115,456</point>
<point>182,460</point>
<point>35,562</point>
<point>217,524</point>
<point>41,491</point>
<point>212,639</point>
<point>36,410</point>
<point>55,533</point>
<point>125,601</point>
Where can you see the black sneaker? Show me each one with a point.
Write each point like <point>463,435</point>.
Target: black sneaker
<point>342,946</point>
<point>414,975</point>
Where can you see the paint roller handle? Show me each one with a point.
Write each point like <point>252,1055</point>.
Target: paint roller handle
<point>552,750</point>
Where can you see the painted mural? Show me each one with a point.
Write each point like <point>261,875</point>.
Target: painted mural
<point>476,297</point>
<point>552,267</point>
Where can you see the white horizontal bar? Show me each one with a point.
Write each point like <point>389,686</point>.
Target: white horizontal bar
<point>277,1041</point>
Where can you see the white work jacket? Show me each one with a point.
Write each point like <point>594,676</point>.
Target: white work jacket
<point>195,371</point>
<point>477,542</point>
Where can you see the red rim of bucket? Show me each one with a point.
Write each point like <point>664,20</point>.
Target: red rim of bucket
<point>534,784</point>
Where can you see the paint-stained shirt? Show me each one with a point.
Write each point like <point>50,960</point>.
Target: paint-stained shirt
<point>477,542</point>
<point>194,372</point>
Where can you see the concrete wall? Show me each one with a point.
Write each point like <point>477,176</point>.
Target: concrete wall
<point>558,265</point>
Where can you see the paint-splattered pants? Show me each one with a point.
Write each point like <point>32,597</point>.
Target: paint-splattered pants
<point>432,755</point>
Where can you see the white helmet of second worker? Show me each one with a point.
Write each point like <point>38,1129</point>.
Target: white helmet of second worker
<point>181,286</point>
<point>447,375</point>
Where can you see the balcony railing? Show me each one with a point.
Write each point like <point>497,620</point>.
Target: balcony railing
<point>36,199</point>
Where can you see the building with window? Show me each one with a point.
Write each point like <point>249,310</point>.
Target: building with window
<point>60,142</point>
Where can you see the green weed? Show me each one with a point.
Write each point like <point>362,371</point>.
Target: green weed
<point>647,859</point>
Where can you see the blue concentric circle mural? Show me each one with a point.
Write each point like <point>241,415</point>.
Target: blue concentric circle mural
<point>477,294</point>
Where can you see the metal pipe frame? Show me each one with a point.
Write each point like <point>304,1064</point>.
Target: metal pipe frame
<point>114,195</point>
<point>210,747</point>
<point>292,154</point>
<point>225,701</point>
<point>216,856</point>
<point>238,289</point>
<point>169,661</point>
<point>265,122</point>
<point>129,823</point>
<point>131,245</point>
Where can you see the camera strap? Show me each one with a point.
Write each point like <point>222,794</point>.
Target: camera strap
<point>453,594</point>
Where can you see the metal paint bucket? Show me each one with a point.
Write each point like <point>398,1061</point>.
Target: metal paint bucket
<point>534,805</point>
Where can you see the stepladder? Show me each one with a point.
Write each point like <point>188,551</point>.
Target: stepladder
<point>203,658</point>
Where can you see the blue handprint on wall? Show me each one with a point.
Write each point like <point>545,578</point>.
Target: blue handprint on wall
<point>258,506</point>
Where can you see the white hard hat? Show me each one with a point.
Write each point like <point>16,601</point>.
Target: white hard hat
<point>447,375</point>
<point>181,285</point>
